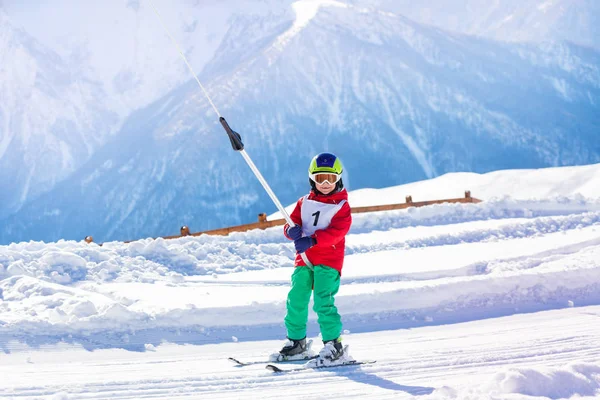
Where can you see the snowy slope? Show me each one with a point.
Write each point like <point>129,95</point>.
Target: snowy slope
<point>497,300</point>
<point>529,228</point>
<point>52,118</point>
<point>538,356</point>
<point>510,186</point>
<point>340,78</point>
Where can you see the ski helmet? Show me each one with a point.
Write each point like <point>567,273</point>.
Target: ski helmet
<point>326,163</point>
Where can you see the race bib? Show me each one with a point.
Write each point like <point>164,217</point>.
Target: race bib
<point>317,215</point>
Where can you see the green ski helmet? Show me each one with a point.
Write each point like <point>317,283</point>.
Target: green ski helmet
<point>329,164</point>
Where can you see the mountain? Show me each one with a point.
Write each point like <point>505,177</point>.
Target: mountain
<point>51,118</point>
<point>123,46</point>
<point>71,80</point>
<point>575,21</point>
<point>398,101</point>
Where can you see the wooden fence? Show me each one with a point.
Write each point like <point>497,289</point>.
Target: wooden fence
<point>264,224</point>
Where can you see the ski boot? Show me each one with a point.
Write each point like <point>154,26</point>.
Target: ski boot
<point>333,352</point>
<point>294,350</point>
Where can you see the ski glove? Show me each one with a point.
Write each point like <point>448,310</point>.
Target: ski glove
<point>294,232</point>
<point>304,243</point>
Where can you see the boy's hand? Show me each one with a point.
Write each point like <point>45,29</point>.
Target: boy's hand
<point>304,244</point>
<point>294,232</point>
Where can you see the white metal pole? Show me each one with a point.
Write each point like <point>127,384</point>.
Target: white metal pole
<point>249,161</point>
<point>266,187</point>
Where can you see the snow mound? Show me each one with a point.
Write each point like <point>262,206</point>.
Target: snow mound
<point>573,381</point>
<point>556,383</point>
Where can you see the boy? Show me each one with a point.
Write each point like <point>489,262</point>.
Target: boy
<point>322,221</point>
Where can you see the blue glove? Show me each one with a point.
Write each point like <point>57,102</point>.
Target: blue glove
<point>304,244</point>
<point>294,232</point>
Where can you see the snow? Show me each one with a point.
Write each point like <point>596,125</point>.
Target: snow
<point>501,358</point>
<point>574,379</point>
<point>305,11</point>
<point>496,300</point>
<point>507,20</point>
<point>561,87</point>
<point>544,6</point>
<point>540,184</point>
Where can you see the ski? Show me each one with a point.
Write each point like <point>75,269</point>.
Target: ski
<point>307,355</point>
<point>246,363</point>
<point>275,368</point>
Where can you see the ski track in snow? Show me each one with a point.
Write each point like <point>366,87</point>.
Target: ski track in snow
<point>431,363</point>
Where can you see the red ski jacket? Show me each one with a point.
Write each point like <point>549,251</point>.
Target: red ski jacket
<point>326,218</point>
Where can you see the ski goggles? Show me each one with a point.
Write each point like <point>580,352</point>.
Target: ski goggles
<point>323,177</point>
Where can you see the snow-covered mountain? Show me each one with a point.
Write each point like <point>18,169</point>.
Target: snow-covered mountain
<point>509,20</point>
<point>397,100</point>
<point>122,45</point>
<point>69,81</point>
<point>52,118</point>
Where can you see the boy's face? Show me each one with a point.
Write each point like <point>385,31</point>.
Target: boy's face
<point>325,187</point>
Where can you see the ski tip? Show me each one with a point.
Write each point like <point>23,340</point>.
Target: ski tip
<point>233,360</point>
<point>273,368</point>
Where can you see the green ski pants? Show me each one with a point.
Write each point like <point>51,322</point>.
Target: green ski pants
<point>326,283</point>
